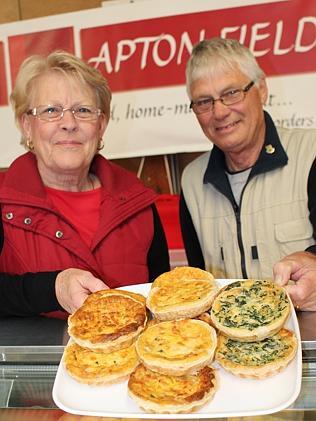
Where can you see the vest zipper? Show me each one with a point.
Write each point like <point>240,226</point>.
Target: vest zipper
<point>240,243</point>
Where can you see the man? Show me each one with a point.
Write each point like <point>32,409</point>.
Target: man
<point>251,200</point>
<point>35,293</point>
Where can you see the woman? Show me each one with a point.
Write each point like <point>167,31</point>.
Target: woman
<point>63,204</point>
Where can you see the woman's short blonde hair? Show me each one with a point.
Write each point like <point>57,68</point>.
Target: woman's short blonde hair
<point>219,55</point>
<point>67,64</point>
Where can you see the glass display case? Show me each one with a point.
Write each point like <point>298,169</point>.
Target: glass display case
<point>31,348</point>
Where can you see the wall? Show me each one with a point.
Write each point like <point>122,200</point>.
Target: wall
<point>13,10</point>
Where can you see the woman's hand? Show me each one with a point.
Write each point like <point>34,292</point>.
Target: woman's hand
<point>73,286</point>
<point>299,267</point>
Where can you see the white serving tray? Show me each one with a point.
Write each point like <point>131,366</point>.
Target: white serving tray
<point>235,397</point>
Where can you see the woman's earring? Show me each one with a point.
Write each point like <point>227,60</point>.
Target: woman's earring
<point>100,145</point>
<point>29,145</point>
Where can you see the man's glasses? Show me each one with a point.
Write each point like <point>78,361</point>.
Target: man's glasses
<point>56,112</point>
<point>228,98</point>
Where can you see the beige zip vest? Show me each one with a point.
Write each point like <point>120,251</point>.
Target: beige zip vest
<point>274,213</point>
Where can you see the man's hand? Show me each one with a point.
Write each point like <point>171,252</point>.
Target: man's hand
<point>299,267</point>
<point>73,286</point>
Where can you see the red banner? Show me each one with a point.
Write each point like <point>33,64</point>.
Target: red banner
<point>153,52</point>
<point>44,42</point>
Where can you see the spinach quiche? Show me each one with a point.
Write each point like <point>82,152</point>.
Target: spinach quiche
<point>177,347</point>
<point>166,394</point>
<point>259,359</point>
<point>250,310</point>
<point>98,368</point>
<point>183,292</point>
<point>108,320</point>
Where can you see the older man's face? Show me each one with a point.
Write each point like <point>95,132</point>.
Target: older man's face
<point>238,127</point>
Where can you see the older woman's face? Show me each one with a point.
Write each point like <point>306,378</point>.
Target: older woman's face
<point>66,146</point>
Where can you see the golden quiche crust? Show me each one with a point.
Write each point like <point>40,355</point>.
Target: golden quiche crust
<point>98,368</point>
<point>257,360</point>
<point>184,292</point>
<point>166,394</point>
<point>177,347</point>
<point>250,310</point>
<point>108,320</point>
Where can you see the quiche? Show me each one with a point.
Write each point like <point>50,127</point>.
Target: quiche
<point>177,347</point>
<point>257,360</point>
<point>250,310</point>
<point>183,292</point>
<point>165,394</point>
<point>108,320</point>
<point>98,368</point>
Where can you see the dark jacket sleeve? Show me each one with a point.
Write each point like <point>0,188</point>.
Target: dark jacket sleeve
<point>158,254</point>
<point>28,294</point>
<point>190,239</point>
<point>311,190</point>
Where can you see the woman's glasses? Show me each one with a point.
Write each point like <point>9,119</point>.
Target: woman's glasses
<point>56,112</point>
